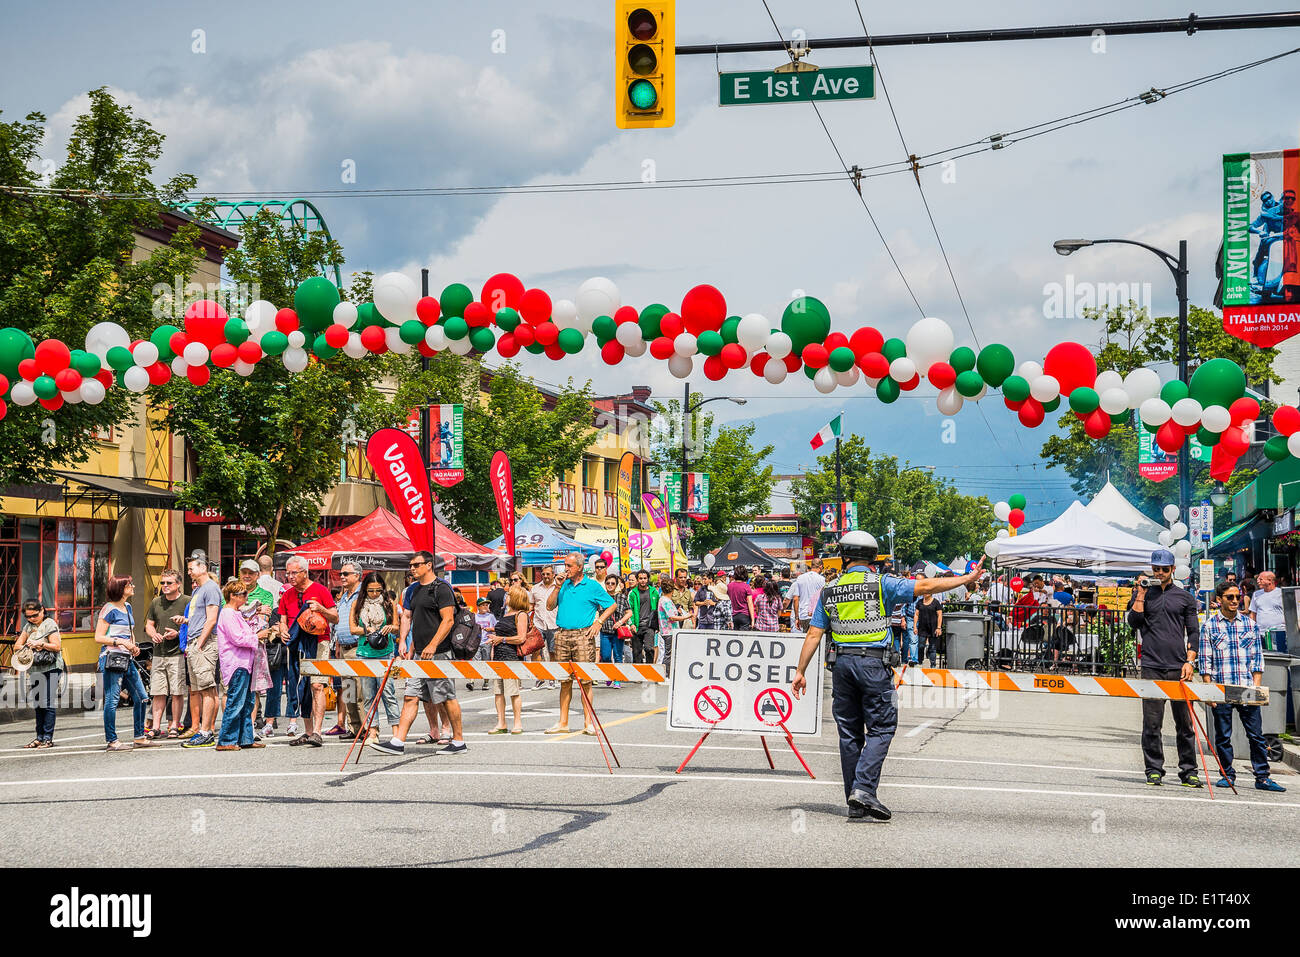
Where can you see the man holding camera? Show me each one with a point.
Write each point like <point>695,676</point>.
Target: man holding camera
<point>1165,616</point>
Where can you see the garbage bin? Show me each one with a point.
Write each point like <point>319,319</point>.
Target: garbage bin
<point>1277,672</point>
<point>965,636</point>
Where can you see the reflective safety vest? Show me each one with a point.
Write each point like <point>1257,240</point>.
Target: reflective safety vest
<point>855,610</point>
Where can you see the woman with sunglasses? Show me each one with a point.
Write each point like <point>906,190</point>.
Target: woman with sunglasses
<point>41,635</point>
<point>375,621</point>
<point>237,648</point>
<point>114,631</point>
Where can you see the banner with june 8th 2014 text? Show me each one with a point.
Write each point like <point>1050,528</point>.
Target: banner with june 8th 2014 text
<point>1261,246</point>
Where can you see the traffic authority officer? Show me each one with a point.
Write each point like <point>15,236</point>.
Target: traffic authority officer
<point>852,610</point>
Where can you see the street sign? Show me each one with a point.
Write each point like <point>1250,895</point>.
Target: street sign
<point>1207,575</point>
<point>757,87</point>
<point>1200,522</point>
<point>739,681</point>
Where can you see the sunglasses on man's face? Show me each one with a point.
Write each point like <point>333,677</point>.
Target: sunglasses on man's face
<point>414,565</point>
<point>1232,597</point>
<point>1162,568</point>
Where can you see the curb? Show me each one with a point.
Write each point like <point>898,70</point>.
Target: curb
<point>1291,756</point>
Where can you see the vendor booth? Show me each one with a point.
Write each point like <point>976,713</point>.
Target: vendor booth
<point>379,543</point>
<point>649,548</point>
<point>538,544</point>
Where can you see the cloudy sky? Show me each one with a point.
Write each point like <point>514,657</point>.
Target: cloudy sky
<point>278,98</point>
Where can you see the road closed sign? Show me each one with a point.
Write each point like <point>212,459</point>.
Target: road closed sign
<point>739,681</point>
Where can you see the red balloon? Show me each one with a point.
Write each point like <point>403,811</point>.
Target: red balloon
<point>1188,429</point>
<point>733,355</point>
<point>524,335</point>
<point>3,408</point>
<point>714,368</point>
<point>756,364</point>
<point>53,404</point>
<point>224,355</point>
<point>1170,437</point>
<point>427,310</point>
<point>1097,424</point>
<point>422,347</point>
<point>1287,420</point>
<point>866,340</point>
<point>547,333</point>
<point>198,375</point>
<point>251,352</point>
<point>29,370</point>
<point>177,342</point>
<point>626,314</point>
<point>1072,364</point>
<point>703,308</point>
<point>478,315</point>
<point>1234,441</point>
<point>52,357</point>
<point>68,380</point>
<point>612,352</point>
<point>941,375</point>
<point>553,351</point>
<point>873,365</point>
<point>336,337</point>
<point>911,383</point>
<point>836,340</point>
<point>1014,404</point>
<point>160,373</point>
<point>372,337</point>
<point>661,348</point>
<point>671,325</point>
<point>1244,409</point>
<point>508,346</point>
<point>501,291</point>
<point>205,322</point>
<point>1016,518</point>
<point>286,320</point>
<point>792,362</point>
<point>105,377</point>
<point>4,383</point>
<point>815,355</point>
<point>535,307</point>
<point>1031,413</point>
<point>1017,583</point>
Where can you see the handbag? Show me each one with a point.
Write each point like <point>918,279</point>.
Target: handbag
<point>44,658</point>
<point>377,640</point>
<point>117,660</point>
<point>277,655</point>
<point>624,632</point>
<point>533,643</point>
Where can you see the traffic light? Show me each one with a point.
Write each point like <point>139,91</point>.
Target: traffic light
<point>644,64</point>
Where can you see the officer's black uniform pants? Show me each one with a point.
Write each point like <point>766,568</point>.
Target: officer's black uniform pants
<point>862,696</point>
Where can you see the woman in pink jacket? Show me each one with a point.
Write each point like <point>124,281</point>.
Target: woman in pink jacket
<point>237,649</point>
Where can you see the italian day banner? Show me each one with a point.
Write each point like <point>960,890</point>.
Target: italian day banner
<point>1261,246</point>
<point>447,444</point>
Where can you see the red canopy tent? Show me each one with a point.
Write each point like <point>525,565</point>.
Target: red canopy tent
<point>379,543</point>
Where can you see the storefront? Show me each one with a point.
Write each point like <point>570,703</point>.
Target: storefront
<point>778,535</point>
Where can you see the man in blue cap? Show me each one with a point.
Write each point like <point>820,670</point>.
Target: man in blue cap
<point>1164,615</point>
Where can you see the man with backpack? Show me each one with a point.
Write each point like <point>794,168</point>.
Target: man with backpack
<point>426,630</point>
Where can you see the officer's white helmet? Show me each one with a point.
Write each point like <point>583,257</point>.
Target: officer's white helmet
<point>860,546</point>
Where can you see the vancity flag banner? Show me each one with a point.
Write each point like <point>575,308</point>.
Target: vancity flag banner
<point>624,501</point>
<point>396,459</point>
<point>503,487</point>
<point>831,430</point>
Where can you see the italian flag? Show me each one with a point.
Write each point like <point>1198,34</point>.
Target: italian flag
<point>831,430</point>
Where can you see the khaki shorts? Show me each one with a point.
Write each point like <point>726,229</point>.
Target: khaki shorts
<point>505,686</point>
<point>322,654</point>
<point>167,675</point>
<point>202,664</point>
<point>574,644</point>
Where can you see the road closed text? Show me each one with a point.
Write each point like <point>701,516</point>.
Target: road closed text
<point>758,661</point>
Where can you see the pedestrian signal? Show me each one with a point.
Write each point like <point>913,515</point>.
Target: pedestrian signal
<point>644,64</point>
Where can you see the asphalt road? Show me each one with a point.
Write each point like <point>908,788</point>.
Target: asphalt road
<point>976,780</point>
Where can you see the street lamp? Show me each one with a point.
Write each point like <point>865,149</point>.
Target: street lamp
<point>1178,266</point>
<point>687,410</point>
<point>1219,496</point>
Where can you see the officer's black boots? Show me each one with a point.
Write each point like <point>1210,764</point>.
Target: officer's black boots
<point>865,804</point>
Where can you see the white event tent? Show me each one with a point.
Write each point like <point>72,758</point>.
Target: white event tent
<point>1113,508</point>
<point>1077,538</point>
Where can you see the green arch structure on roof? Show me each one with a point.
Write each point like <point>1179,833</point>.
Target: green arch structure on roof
<point>231,214</point>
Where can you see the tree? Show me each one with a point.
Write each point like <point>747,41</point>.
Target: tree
<point>739,484</point>
<point>1129,340</point>
<point>932,520</point>
<point>67,264</point>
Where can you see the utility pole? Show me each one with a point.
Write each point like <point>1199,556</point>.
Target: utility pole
<point>1184,462</point>
<point>425,424</point>
<point>839,493</point>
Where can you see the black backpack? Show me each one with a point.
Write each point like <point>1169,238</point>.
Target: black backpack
<point>466,633</point>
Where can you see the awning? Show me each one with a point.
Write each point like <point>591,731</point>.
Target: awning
<point>1241,535</point>
<point>130,492</point>
<point>568,526</point>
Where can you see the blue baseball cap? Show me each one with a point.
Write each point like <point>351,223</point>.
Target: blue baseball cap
<point>1162,556</point>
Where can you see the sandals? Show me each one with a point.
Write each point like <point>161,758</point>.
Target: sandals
<point>518,731</point>
<point>499,731</point>
<point>174,733</point>
<point>35,743</point>
<point>556,730</point>
<point>426,739</point>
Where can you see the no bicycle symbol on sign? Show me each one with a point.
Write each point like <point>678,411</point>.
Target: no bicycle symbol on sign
<point>712,704</point>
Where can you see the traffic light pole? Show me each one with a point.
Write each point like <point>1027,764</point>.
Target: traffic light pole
<point>425,424</point>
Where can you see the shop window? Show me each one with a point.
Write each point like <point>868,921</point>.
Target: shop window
<point>62,563</point>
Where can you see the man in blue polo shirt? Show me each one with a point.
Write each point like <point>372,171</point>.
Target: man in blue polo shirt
<point>581,606</point>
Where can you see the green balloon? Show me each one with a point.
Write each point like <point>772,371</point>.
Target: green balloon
<point>1218,382</point>
<point>995,363</point>
<point>806,320</point>
<point>1084,400</point>
<point>842,359</point>
<point>963,359</point>
<point>368,315</point>
<point>1174,390</point>
<point>895,349</point>
<point>274,342</point>
<point>454,299</point>
<point>508,319</point>
<point>314,301</point>
<point>456,327</point>
<point>536,348</point>
<point>1119,418</point>
<point>571,341</point>
<point>44,387</point>
<point>810,372</point>
<point>730,330</point>
<point>1206,437</point>
<point>1052,405</point>
<point>1018,501</point>
<point>236,333</point>
<point>120,358</point>
<point>1275,448</point>
<point>969,383</point>
<point>412,331</point>
<point>604,327</point>
<point>1015,388</point>
<point>1153,429</point>
<point>483,339</point>
<point>87,363</point>
<point>15,346</point>
<point>161,338</point>
<point>887,390</point>
<point>649,320</point>
<point>710,343</point>
<point>323,348</point>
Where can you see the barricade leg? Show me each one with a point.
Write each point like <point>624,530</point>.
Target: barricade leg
<point>370,717</point>
<point>789,739</point>
<point>693,750</point>
<point>600,729</point>
<point>770,762</point>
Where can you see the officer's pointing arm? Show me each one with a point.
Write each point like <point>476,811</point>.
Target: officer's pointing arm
<point>810,643</point>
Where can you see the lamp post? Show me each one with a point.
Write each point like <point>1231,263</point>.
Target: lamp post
<point>688,410</point>
<point>1178,266</point>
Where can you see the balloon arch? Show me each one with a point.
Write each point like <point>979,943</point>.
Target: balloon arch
<point>508,318</point>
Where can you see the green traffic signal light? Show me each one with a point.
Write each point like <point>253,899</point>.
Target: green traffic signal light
<point>642,94</point>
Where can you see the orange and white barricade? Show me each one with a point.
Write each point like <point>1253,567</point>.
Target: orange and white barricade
<point>1081,685</point>
<point>477,670</point>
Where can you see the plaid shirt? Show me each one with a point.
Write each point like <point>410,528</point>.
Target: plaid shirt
<point>621,608</point>
<point>1230,651</point>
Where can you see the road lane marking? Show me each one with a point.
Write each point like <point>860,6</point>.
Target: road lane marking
<point>610,724</point>
<point>918,729</point>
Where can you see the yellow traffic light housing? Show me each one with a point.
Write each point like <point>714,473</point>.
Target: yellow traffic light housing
<point>644,63</point>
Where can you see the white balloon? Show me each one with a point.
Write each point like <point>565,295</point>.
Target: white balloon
<point>1178,530</point>
<point>902,369</point>
<point>395,295</point>
<point>930,340</point>
<point>244,368</point>
<point>1001,511</point>
<point>950,401</point>
<point>104,336</point>
<point>1114,401</point>
<point>1170,513</point>
<point>984,390</point>
<point>752,331</point>
<point>92,391</point>
<point>1293,444</point>
<point>627,334</point>
<point>685,345</point>
<point>73,397</point>
<point>1141,384</point>
<point>870,382</point>
<point>564,313</point>
<point>824,381</point>
<point>179,366</point>
<point>345,314</point>
<point>775,372</point>
<point>1187,411</point>
<point>1029,371</point>
<point>597,296</point>
<point>295,360</point>
<point>1215,418</point>
<point>1045,388</point>
<point>435,337</point>
<point>461,347</point>
<point>637,348</point>
<point>260,316</point>
<point>1004,533</point>
<point>22,393</point>
<point>135,379</point>
<point>779,345</point>
<point>298,339</point>
<point>393,339</point>
<point>1108,379</point>
<point>145,353</point>
<point>196,354</point>
<point>1182,571</point>
<point>1154,412</point>
<point>992,548</point>
<point>680,365</point>
<point>354,348</point>
<point>849,377</point>
<point>1165,538</point>
<point>1182,549</point>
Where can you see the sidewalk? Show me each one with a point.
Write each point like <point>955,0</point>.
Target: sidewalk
<point>78,692</point>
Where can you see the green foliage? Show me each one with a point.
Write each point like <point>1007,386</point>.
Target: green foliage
<point>932,520</point>
<point>67,264</point>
